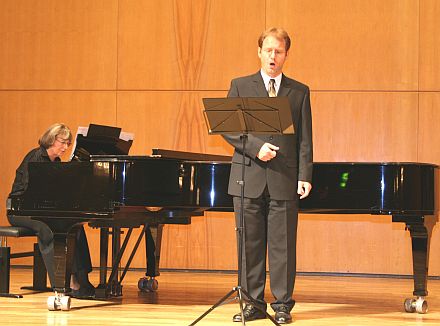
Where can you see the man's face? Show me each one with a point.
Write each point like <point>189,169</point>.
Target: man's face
<point>272,55</point>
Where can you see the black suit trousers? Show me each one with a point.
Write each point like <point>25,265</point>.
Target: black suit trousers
<point>270,226</point>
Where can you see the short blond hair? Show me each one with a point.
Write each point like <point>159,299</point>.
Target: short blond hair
<point>278,33</point>
<point>55,130</point>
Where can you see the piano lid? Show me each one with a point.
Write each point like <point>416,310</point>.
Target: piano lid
<point>166,154</point>
<point>189,156</point>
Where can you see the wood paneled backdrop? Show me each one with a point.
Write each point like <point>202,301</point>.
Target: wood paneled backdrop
<point>144,65</point>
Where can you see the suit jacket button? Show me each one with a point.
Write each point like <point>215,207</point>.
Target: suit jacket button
<point>271,138</point>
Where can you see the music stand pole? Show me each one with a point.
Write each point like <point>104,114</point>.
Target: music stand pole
<point>240,228</point>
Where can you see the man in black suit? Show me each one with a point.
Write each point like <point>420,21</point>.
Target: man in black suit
<point>278,172</point>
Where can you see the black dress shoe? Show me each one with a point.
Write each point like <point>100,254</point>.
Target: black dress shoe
<point>85,292</point>
<point>282,315</point>
<point>250,313</point>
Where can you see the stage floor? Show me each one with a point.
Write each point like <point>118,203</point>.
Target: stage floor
<point>183,296</point>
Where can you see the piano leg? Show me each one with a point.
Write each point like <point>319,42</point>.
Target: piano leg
<point>153,241</point>
<point>113,285</point>
<point>420,228</point>
<point>64,247</point>
<point>101,289</point>
<point>64,232</point>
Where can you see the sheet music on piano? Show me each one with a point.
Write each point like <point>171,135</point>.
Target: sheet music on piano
<point>99,139</point>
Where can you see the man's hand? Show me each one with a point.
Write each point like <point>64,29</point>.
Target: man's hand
<point>267,152</point>
<point>304,189</point>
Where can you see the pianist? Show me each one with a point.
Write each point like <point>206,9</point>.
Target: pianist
<point>53,144</point>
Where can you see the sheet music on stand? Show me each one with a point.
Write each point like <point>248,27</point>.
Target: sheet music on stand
<point>100,140</point>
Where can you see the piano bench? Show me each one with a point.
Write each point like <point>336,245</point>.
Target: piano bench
<point>39,269</point>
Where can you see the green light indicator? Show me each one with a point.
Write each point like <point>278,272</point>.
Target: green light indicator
<point>344,179</point>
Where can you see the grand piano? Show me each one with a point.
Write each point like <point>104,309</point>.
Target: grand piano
<point>111,192</point>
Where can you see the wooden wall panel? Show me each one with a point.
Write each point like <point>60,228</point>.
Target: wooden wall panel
<point>173,120</point>
<point>58,44</point>
<point>145,65</point>
<point>429,45</point>
<point>365,126</point>
<point>353,244</point>
<point>351,44</point>
<point>208,243</point>
<point>222,249</point>
<point>183,45</point>
<point>25,116</point>
<point>230,49</point>
<point>147,56</point>
<point>428,136</point>
<point>169,120</point>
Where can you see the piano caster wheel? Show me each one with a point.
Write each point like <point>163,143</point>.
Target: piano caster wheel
<point>52,303</point>
<point>147,284</point>
<point>58,302</point>
<point>419,305</point>
<point>65,303</point>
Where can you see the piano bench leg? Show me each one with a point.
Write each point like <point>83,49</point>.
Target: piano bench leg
<point>39,271</point>
<point>5,270</point>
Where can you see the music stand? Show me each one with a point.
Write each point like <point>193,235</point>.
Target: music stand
<point>245,115</point>
<point>100,140</point>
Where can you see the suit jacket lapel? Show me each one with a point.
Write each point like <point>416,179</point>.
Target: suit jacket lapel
<point>285,87</point>
<point>258,86</point>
